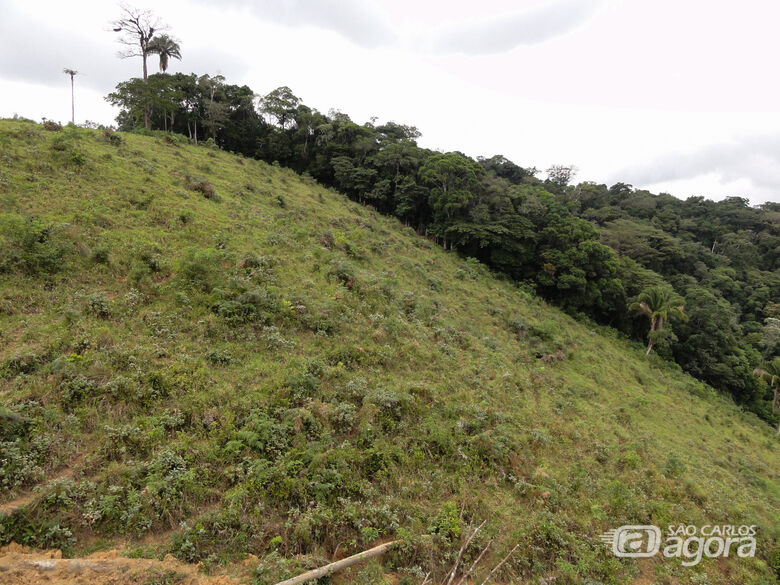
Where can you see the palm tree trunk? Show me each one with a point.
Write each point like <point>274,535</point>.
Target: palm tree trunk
<point>72,102</point>
<point>651,343</point>
<point>147,116</point>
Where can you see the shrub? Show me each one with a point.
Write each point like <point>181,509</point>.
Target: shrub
<point>545,330</point>
<point>74,390</point>
<point>219,357</point>
<point>111,137</point>
<point>256,262</point>
<point>344,273</point>
<point>199,269</point>
<point>518,326</point>
<point>100,255</point>
<point>29,245</point>
<point>343,417</point>
<point>51,125</point>
<point>99,305</point>
<point>22,463</point>
<point>77,158</point>
<point>123,440</point>
<point>175,139</point>
<point>629,460</point>
<point>203,187</point>
<point>674,466</point>
<point>250,306</point>
<point>446,523</point>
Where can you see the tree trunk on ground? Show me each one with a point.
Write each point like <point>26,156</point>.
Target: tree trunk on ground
<point>338,565</point>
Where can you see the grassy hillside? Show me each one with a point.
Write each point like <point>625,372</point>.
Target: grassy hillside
<point>208,356</point>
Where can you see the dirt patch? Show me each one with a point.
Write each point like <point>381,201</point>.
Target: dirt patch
<point>20,565</point>
<point>20,502</point>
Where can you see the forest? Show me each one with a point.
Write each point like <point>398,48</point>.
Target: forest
<point>694,280</point>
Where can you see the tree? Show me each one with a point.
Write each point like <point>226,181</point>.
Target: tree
<point>770,374</point>
<point>452,177</point>
<point>160,97</point>
<point>166,48</point>
<point>137,28</point>
<point>72,73</point>
<point>280,104</point>
<point>505,168</point>
<point>559,176</point>
<point>660,304</point>
<point>216,109</point>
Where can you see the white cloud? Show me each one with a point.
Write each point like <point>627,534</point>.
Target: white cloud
<point>359,21</point>
<point>747,165</point>
<point>503,32</point>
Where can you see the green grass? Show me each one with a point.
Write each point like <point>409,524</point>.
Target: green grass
<point>232,359</point>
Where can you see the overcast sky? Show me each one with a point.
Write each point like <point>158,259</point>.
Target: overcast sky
<point>681,96</point>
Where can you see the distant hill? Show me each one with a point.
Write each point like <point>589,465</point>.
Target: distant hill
<point>209,356</point>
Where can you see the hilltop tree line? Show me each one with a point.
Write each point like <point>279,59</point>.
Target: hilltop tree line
<point>700,275</point>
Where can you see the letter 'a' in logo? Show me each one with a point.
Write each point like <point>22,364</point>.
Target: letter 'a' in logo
<point>634,541</point>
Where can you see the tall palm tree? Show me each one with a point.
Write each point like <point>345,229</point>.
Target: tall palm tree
<point>166,48</point>
<point>660,304</point>
<point>770,373</point>
<point>72,73</point>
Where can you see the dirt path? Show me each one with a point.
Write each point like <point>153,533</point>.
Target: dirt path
<point>16,503</point>
<point>20,502</point>
<point>23,566</point>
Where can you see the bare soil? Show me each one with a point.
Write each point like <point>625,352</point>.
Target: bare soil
<point>20,565</point>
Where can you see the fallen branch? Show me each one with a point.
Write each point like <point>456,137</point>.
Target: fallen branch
<point>331,568</point>
<point>473,566</point>
<point>463,550</point>
<point>499,565</point>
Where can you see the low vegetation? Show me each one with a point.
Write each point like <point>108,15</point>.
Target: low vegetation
<point>232,359</point>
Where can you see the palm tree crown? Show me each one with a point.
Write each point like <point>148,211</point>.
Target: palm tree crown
<point>660,304</point>
<point>166,48</point>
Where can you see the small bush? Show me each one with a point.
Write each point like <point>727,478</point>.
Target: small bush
<point>112,137</point>
<point>203,187</point>
<point>344,273</point>
<point>518,326</point>
<point>219,357</point>
<point>77,158</point>
<point>99,305</point>
<point>343,418</point>
<point>22,463</point>
<point>175,139</point>
<point>545,330</point>
<point>100,255</point>
<point>74,390</point>
<point>29,245</point>
<point>199,269</point>
<point>51,125</point>
<point>674,466</point>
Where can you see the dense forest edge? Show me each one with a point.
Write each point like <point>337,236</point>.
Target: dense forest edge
<point>696,280</point>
